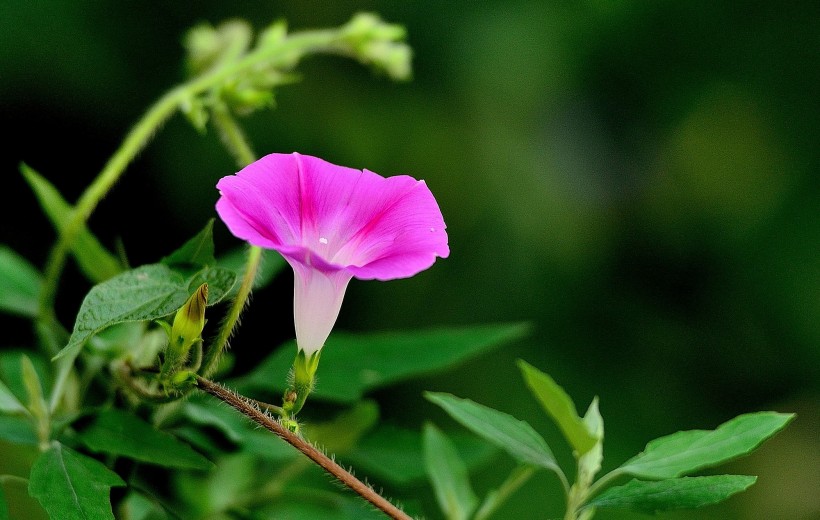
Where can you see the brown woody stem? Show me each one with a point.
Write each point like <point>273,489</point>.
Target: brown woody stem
<point>247,408</point>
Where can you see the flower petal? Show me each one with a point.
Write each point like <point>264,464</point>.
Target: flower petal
<point>332,217</point>
<point>317,299</point>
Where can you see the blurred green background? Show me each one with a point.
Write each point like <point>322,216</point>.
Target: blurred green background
<point>637,179</point>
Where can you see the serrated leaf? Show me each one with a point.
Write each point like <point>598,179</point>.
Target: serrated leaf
<point>199,250</point>
<point>120,433</point>
<point>515,437</point>
<point>667,495</point>
<point>684,452</point>
<point>559,406</point>
<point>72,486</point>
<point>363,362</point>
<point>20,284</point>
<point>146,293</point>
<point>270,265</point>
<point>448,475</point>
<point>395,454</point>
<point>94,260</point>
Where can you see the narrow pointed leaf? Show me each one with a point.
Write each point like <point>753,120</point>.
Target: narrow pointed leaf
<point>684,452</point>
<point>72,486</point>
<point>677,493</point>
<point>20,284</point>
<point>199,250</point>
<point>121,433</point>
<point>363,362</point>
<point>448,475</point>
<point>145,293</point>
<point>8,402</point>
<point>36,403</point>
<point>94,260</point>
<point>589,464</point>
<point>559,406</point>
<point>505,431</point>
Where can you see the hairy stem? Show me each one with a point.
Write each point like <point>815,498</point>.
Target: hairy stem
<point>326,463</point>
<point>232,135</point>
<point>214,351</point>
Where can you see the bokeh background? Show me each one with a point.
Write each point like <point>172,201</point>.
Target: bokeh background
<point>639,180</point>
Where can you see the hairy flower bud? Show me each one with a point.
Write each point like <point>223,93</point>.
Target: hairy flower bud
<point>187,326</point>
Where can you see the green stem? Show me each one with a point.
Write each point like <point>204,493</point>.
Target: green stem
<point>237,144</point>
<point>602,482</point>
<point>284,55</point>
<point>232,135</point>
<point>211,360</point>
<point>134,142</point>
<point>517,478</point>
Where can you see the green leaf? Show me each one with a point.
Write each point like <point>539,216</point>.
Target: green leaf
<point>363,362</point>
<point>137,506</point>
<point>94,260</point>
<point>589,464</point>
<point>683,452</point>
<point>4,508</point>
<point>270,265</point>
<point>342,433</point>
<point>121,433</point>
<point>318,504</point>
<point>72,486</point>
<point>20,284</point>
<point>199,250</point>
<point>448,475</point>
<point>11,372</point>
<point>8,402</point>
<point>18,430</point>
<point>145,293</point>
<point>559,406</point>
<point>505,431</point>
<point>677,493</point>
<point>236,428</point>
<point>395,454</point>
<point>34,391</point>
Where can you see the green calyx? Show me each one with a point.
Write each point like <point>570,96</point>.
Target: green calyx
<point>186,330</point>
<point>302,380</point>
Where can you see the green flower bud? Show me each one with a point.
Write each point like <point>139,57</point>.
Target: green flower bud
<point>187,326</point>
<point>378,43</point>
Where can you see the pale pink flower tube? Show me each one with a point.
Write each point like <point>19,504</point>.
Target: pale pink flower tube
<point>332,223</point>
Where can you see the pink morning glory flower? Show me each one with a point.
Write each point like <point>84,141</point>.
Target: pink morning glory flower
<point>332,223</point>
